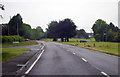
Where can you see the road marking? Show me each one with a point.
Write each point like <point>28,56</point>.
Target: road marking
<point>84,59</point>
<point>73,53</point>
<point>44,45</point>
<point>21,65</point>
<point>34,63</point>
<point>23,76</point>
<point>105,74</point>
<point>42,48</point>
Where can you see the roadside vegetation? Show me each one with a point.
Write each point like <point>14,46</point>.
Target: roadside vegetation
<point>23,43</point>
<point>104,38</point>
<point>8,53</point>
<point>105,47</point>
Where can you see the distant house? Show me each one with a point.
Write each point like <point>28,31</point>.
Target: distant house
<point>90,35</point>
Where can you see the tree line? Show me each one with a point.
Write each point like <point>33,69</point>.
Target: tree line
<point>16,27</point>
<point>63,29</point>
<point>106,32</point>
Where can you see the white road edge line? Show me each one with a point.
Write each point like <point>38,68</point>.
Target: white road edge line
<point>43,47</point>
<point>34,63</point>
<point>105,74</point>
<point>84,59</point>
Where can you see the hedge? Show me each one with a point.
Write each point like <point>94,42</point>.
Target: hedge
<point>10,39</point>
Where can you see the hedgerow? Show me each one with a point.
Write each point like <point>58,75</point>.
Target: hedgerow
<point>10,39</point>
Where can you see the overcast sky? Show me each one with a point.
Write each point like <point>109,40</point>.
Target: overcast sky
<point>84,13</point>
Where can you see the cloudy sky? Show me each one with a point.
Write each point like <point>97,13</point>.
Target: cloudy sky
<point>84,13</point>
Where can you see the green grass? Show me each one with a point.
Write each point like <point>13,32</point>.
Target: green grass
<point>48,39</point>
<point>8,53</point>
<point>24,43</point>
<point>71,39</point>
<point>105,47</point>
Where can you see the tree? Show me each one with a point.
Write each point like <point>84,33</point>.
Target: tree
<point>33,34</point>
<point>52,31</point>
<point>5,29</point>
<point>62,29</point>
<point>100,27</point>
<point>116,36</point>
<point>97,37</point>
<point>36,34</point>
<point>106,32</point>
<point>110,35</point>
<point>16,25</point>
<point>66,29</point>
<point>112,27</point>
<point>82,34</point>
<point>27,29</point>
<point>40,33</point>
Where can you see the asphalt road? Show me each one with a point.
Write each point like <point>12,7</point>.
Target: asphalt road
<point>61,59</point>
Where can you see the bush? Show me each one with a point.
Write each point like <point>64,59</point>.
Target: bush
<point>97,37</point>
<point>117,37</point>
<point>10,39</point>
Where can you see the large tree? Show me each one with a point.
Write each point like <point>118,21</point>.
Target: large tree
<point>67,29</point>
<point>100,27</point>
<point>15,25</point>
<point>62,29</point>
<point>52,31</point>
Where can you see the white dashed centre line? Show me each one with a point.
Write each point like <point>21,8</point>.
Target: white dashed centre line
<point>105,74</point>
<point>73,53</point>
<point>84,59</point>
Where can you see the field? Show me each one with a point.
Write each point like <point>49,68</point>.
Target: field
<point>105,47</point>
<point>8,53</point>
<point>24,43</point>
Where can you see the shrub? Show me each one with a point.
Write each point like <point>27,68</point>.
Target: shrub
<point>10,39</point>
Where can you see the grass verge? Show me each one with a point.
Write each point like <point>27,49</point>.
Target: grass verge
<point>8,53</point>
<point>23,43</point>
<point>111,48</point>
<point>105,47</point>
